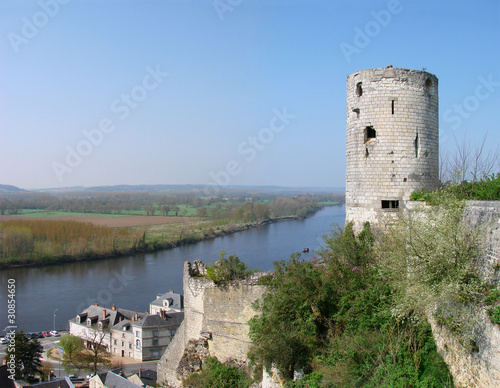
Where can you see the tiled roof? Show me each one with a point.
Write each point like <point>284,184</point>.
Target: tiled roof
<point>156,320</point>
<point>115,381</point>
<point>175,300</point>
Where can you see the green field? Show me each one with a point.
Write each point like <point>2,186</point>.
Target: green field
<point>35,213</point>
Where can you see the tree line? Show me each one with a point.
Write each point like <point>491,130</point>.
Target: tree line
<point>174,204</point>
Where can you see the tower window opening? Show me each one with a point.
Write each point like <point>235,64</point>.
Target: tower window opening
<point>389,204</point>
<point>356,110</point>
<point>416,143</point>
<point>428,85</point>
<point>359,89</point>
<point>367,153</point>
<point>370,133</point>
<point>392,106</point>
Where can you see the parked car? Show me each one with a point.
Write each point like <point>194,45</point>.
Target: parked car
<point>4,340</point>
<point>45,334</point>
<point>38,335</point>
<point>54,333</point>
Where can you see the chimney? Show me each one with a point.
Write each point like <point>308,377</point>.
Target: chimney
<point>119,319</point>
<point>97,304</point>
<point>140,372</point>
<point>103,314</point>
<point>113,308</point>
<point>171,291</point>
<point>133,318</point>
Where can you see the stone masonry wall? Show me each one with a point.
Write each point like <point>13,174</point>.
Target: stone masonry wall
<point>487,214</point>
<point>401,154</point>
<point>222,310</point>
<point>227,312</point>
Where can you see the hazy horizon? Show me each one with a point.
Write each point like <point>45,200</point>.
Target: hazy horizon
<point>102,93</point>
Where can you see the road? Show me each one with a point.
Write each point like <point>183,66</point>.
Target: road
<point>129,366</point>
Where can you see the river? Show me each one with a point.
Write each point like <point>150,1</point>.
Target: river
<point>48,296</point>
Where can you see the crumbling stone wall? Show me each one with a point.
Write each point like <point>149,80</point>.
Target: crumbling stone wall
<point>217,314</point>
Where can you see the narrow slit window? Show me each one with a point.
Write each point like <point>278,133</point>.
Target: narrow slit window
<point>416,143</point>
<point>389,204</point>
<point>359,89</point>
<point>370,133</point>
<point>392,106</point>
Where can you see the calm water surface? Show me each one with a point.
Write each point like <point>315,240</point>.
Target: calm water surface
<point>132,282</point>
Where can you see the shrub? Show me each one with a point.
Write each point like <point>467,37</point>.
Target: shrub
<point>227,269</point>
<point>217,375</point>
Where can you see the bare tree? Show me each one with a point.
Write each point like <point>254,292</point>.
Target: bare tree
<point>470,162</point>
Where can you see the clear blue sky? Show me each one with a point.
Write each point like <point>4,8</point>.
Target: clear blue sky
<point>237,70</point>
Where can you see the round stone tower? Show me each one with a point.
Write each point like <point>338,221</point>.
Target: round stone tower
<point>392,141</point>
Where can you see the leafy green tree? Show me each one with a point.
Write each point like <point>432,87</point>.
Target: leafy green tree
<point>226,269</point>
<point>293,316</point>
<point>27,354</point>
<point>202,212</point>
<point>74,358</point>
<point>165,209</point>
<point>78,357</point>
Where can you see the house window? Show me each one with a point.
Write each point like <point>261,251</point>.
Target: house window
<point>155,342</point>
<point>172,333</point>
<point>387,204</point>
<point>138,344</point>
<point>370,133</point>
<point>130,346</point>
<point>155,333</point>
<point>89,322</point>
<point>123,344</point>
<point>155,354</point>
<point>359,89</point>
<point>78,319</point>
<point>138,334</point>
<point>129,354</point>
<point>114,342</point>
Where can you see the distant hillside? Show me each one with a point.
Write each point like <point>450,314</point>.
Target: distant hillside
<point>189,187</point>
<point>10,189</point>
<point>122,188</point>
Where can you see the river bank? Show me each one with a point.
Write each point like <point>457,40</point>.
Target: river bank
<point>154,238</point>
<point>132,282</point>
